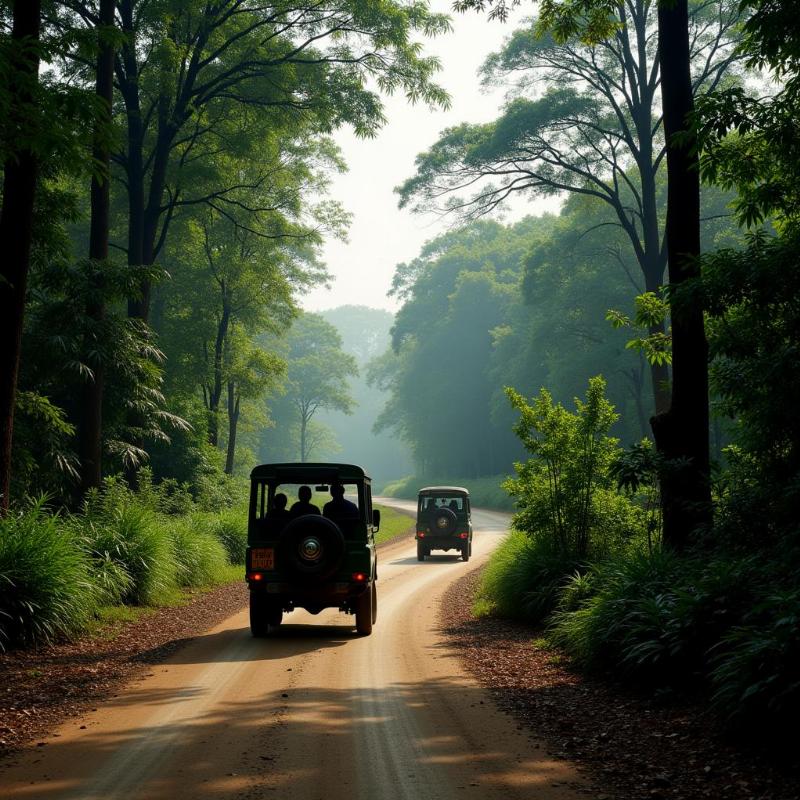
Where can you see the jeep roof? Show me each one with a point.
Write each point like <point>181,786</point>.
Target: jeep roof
<point>298,473</point>
<point>440,489</point>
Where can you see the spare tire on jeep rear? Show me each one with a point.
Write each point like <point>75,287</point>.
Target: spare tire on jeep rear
<point>444,521</point>
<point>311,547</point>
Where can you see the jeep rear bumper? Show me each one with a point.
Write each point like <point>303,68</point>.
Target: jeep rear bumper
<point>454,541</point>
<point>335,594</point>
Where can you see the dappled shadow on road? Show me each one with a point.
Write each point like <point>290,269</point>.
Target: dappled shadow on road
<point>295,742</point>
<point>238,644</point>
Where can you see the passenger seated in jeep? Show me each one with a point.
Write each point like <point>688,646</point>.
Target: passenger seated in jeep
<point>303,504</point>
<point>279,515</point>
<point>338,507</point>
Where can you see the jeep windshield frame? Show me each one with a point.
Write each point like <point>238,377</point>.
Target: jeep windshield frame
<point>266,480</point>
<point>442,493</point>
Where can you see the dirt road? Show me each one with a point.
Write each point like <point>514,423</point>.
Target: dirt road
<point>315,712</point>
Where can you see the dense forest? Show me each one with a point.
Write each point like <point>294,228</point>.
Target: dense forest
<point>532,304</point>
<point>166,174</point>
<point>643,345</point>
<point>631,362</point>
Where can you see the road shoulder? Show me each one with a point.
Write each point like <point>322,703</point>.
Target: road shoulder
<point>633,746</point>
<point>42,687</point>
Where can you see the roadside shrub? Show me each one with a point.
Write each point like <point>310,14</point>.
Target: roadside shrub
<point>109,572</point>
<point>658,618</point>
<point>199,556</point>
<point>215,491</point>
<point>617,525</point>
<point>46,584</point>
<point>756,674</point>
<point>522,578</point>
<point>625,617</point>
<point>556,489</point>
<point>120,528</point>
<point>230,527</point>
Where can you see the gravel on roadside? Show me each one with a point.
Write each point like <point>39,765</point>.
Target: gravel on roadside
<point>633,747</point>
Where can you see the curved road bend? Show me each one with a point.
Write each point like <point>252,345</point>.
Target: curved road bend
<point>313,713</point>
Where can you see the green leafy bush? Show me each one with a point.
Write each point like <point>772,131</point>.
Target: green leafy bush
<point>47,588</point>
<point>571,458</point>
<point>109,569</point>
<point>756,673</point>
<point>623,617</point>
<point>698,621</point>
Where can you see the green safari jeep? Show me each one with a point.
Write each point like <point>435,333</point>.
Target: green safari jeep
<point>310,551</point>
<point>443,521</point>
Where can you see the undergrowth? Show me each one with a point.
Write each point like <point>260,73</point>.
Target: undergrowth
<point>62,572</point>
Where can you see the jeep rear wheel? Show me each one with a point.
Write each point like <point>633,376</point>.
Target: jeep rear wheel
<point>465,552</point>
<point>265,614</point>
<point>420,552</point>
<point>374,602</point>
<point>364,612</point>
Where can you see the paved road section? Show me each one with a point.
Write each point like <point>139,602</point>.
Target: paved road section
<point>313,713</point>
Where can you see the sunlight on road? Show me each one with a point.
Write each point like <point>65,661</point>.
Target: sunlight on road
<point>313,711</point>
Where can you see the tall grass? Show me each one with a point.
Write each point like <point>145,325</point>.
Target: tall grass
<point>47,589</point>
<point>626,619</point>
<point>756,666</point>
<point>522,579</point>
<point>131,535</point>
<point>230,527</point>
<point>199,556</point>
<point>58,571</point>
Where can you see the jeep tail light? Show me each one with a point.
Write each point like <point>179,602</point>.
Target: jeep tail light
<point>254,576</point>
<point>463,535</point>
<point>421,534</point>
<point>359,577</point>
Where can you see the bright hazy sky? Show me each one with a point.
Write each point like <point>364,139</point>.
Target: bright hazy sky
<point>381,235</point>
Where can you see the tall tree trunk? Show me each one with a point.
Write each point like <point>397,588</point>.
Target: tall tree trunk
<point>652,259</point>
<point>233,421</point>
<point>90,425</point>
<point>681,433</point>
<point>128,79</point>
<point>151,216</point>
<point>20,173</point>
<point>215,395</point>
<point>128,76</point>
<point>303,432</point>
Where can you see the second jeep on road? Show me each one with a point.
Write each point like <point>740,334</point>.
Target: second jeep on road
<point>443,521</point>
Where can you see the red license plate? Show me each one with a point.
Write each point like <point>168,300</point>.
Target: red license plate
<point>262,558</point>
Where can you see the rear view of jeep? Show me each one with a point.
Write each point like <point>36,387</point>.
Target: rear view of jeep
<point>443,521</point>
<point>311,543</point>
